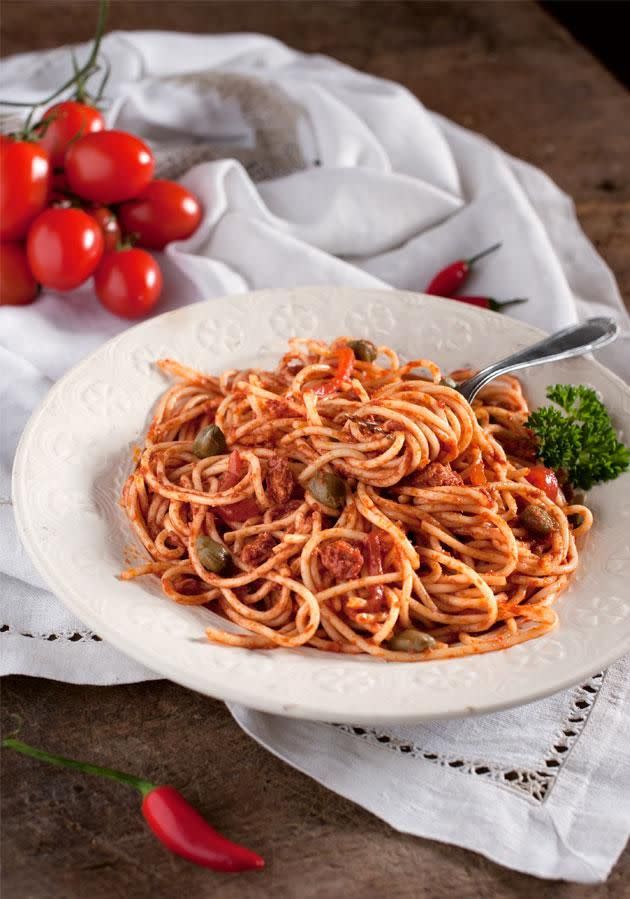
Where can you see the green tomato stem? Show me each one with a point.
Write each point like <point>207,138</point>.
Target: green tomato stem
<point>79,77</point>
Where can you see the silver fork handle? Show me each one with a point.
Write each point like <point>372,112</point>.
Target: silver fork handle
<point>573,341</point>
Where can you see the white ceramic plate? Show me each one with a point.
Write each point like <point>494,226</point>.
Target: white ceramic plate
<point>76,452</point>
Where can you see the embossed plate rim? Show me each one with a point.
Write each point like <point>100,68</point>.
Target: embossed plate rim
<point>297,683</point>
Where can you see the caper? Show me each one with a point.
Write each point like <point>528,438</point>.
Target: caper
<point>212,555</point>
<point>537,520</point>
<point>448,382</point>
<point>364,350</point>
<point>328,489</point>
<point>411,640</point>
<point>578,498</point>
<point>210,441</point>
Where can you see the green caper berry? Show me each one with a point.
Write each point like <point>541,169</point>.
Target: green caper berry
<point>577,499</point>
<point>537,520</point>
<point>210,441</point>
<point>212,555</point>
<point>364,350</point>
<point>411,640</point>
<point>328,489</point>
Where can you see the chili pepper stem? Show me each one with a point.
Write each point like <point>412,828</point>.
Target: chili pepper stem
<point>492,249</point>
<point>495,305</point>
<point>143,786</point>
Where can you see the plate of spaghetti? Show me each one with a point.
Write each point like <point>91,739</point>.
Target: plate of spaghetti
<point>282,499</point>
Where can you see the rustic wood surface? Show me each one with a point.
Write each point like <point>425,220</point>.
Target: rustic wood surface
<point>508,71</point>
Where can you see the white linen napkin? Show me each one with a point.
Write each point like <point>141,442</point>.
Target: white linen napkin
<point>311,172</point>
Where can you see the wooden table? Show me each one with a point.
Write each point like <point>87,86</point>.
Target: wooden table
<point>508,71</point>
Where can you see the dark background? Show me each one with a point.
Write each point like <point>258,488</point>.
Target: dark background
<point>601,25</point>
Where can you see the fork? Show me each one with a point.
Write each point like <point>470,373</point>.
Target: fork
<point>575,340</point>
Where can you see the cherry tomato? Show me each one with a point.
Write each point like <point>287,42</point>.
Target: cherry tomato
<point>545,479</point>
<point>64,123</point>
<point>163,212</point>
<point>17,284</point>
<point>128,282</point>
<point>64,246</point>
<point>109,226</point>
<point>108,166</point>
<point>24,186</point>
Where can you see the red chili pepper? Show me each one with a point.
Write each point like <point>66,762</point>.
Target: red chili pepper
<point>374,560</point>
<point>343,372</point>
<point>182,830</point>
<point>449,280</point>
<point>171,818</point>
<point>489,302</point>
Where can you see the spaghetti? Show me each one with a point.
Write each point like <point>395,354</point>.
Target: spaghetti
<point>352,503</point>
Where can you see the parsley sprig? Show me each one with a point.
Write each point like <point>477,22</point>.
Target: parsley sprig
<point>581,439</point>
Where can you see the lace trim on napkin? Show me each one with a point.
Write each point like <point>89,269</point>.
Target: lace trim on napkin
<point>70,636</point>
<point>534,784</point>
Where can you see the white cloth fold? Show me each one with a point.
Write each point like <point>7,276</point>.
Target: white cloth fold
<point>512,786</point>
<point>313,173</point>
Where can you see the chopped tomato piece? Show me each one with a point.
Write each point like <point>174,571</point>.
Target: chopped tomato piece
<point>374,561</point>
<point>545,479</point>
<point>477,474</point>
<point>234,472</point>
<point>343,372</point>
<point>244,508</point>
<point>238,512</point>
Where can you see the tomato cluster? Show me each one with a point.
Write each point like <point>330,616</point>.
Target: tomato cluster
<point>79,201</point>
